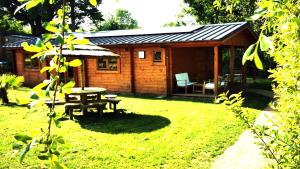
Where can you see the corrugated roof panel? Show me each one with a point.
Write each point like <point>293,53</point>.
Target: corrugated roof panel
<point>228,32</point>
<point>211,37</point>
<point>164,30</point>
<point>208,34</point>
<point>215,32</point>
<point>202,32</point>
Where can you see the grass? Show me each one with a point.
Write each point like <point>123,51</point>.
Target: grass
<point>154,133</point>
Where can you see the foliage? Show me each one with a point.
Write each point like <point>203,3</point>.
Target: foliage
<point>175,133</point>
<point>45,12</point>
<point>120,21</point>
<point>280,38</point>
<point>184,18</point>
<point>206,12</point>
<point>9,81</point>
<point>10,26</point>
<point>47,144</point>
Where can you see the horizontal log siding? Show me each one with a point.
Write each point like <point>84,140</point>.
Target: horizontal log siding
<point>150,77</point>
<point>115,81</point>
<point>32,76</point>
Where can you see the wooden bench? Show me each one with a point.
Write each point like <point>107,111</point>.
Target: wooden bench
<point>71,106</point>
<point>112,103</point>
<point>84,101</point>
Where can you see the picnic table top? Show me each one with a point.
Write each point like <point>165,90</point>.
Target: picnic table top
<point>88,90</point>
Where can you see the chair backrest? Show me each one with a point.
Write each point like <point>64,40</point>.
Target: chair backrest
<point>182,79</point>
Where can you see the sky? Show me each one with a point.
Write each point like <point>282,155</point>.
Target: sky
<point>148,13</point>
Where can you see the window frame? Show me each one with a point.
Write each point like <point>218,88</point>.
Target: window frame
<point>107,69</point>
<point>31,67</point>
<point>161,57</point>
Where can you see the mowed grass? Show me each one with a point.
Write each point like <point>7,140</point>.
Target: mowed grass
<point>154,133</point>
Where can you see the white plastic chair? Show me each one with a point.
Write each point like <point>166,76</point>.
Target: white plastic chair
<point>182,80</point>
<point>211,85</point>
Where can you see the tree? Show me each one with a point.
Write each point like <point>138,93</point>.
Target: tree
<point>121,20</point>
<point>184,18</point>
<point>8,81</point>
<point>9,26</point>
<point>45,12</point>
<point>205,11</point>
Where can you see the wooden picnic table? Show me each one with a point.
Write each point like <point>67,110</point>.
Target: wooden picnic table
<point>90,97</point>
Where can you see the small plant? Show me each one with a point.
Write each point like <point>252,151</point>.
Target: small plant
<point>47,143</point>
<point>269,135</point>
<point>9,81</point>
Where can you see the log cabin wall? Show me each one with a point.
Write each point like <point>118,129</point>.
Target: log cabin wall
<point>114,81</point>
<point>32,76</point>
<point>150,76</point>
<point>198,62</point>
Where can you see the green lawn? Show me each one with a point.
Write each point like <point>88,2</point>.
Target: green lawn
<point>154,133</point>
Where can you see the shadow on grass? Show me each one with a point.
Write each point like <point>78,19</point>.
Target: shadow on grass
<point>116,123</point>
<point>167,98</point>
<point>12,105</point>
<point>256,101</point>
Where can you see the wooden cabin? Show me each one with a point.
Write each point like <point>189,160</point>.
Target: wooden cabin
<point>149,61</point>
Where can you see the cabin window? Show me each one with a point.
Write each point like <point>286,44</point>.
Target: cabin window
<point>108,63</point>
<point>31,63</point>
<point>157,56</point>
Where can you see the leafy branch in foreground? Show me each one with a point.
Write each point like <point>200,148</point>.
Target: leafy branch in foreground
<point>266,134</point>
<point>279,38</point>
<point>46,143</point>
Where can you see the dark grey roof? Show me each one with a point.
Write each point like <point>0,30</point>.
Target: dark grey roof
<point>211,32</point>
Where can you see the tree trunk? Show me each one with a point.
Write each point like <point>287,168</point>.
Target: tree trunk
<point>3,94</point>
<point>73,25</point>
<point>33,28</point>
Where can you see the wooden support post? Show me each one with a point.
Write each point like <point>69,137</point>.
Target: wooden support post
<point>86,75</point>
<point>169,71</point>
<point>132,75</point>
<point>232,56</point>
<point>216,70</point>
<point>82,74</point>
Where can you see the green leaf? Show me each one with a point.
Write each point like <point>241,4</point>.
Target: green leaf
<point>20,7</point>
<point>40,86</point>
<point>60,140</point>
<point>57,123</point>
<point>32,4</point>
<point>43,157</point>
<point>22,137</point>
<point>75,63</point>
<point>264,43</point>
<point>93,2</point>
<point>60,12</point>
<point>81,41</point>
<point>25,151</point>
<point>51,28</point>
<point>38,55</point>
<point>60,39</point>
<point>16,146</point>
<point>258,62</point>
<point>51,1</point>
<point>247,53</point>
<point>44,69</point>
<point>28,147</point>
<point>31,48</point>
<point>34,96</point>
<point>70,84</point>
<point>71,47</point>
<point>255,17</point>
